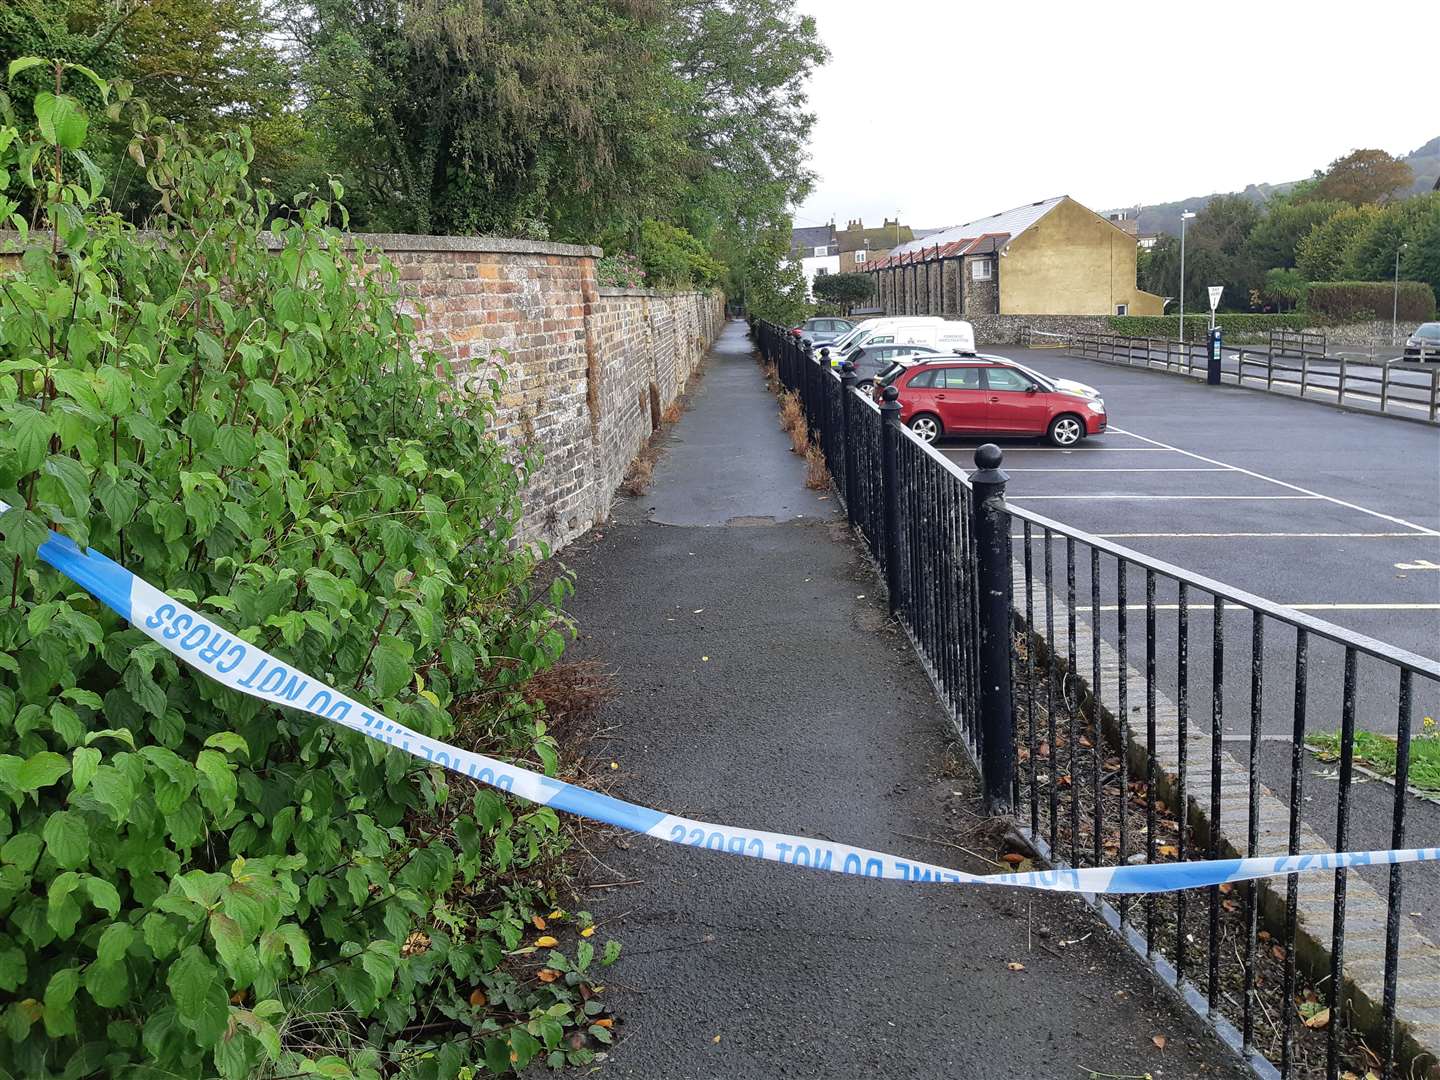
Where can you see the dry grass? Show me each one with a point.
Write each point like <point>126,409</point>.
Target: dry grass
<point>792,421</point>
<point>641,472</point>
<point>672,414</point>
<point>817,476</point>
<point>571,691</point>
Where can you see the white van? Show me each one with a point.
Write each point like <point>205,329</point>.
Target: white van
<point>947,335</point>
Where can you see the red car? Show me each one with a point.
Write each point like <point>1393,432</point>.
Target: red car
<point>990,397</point>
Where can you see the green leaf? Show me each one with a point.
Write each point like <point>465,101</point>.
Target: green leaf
<point>41,770</point>
<point>392,670</point>
<point>83,763</point>
<point>13,967</point>
<point>30,432</point>
<point>107,984</point>
<point>103,895</point>
<point>62,122</point>
<point>199,995</point>
<point>115,939</point>
<point>67,839</point>
<point>227,741</point>
<point>22,850</point>
<point>25,63</point>
<point>523,1047</point>
<point>70,475</point>
<point>100,84</point>
<point>611,953</point>
<point>59,1001</point>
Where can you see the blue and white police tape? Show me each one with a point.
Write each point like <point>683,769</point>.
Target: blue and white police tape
<point>209,648</point>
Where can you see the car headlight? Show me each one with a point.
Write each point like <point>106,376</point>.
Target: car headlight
<point>1096,406</point>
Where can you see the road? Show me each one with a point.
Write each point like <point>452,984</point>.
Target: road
<point>1334,512</point>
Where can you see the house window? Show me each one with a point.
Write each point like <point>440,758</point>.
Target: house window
<point>859,257</point>
<point>822,251</point>
<point>1122,309</point>
<point>980,270</point>
<point>820,271</point>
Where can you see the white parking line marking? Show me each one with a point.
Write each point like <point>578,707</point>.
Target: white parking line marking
<point>1201,606</point>
<point>1174,498</point>
<point>1256,535</point>
<point>1101,468</point>
<point>1285,484</point>
<point>1422,564</point>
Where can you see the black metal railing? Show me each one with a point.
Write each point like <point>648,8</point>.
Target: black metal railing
<point>1188,744</point>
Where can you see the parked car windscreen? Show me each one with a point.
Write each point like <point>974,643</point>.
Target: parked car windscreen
<point>1430,331</point>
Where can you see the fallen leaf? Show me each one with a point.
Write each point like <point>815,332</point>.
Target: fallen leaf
<point>1015,965</point>
<point>1277,951</point>
<point>606,1023</point>
<point>1319,1020</point>
<point>1263,935</point>
<point>1229,905</point>
<point>546,942</point>
<point>716,1039</point>
<point>1226,887</point>
<point>556,914</point>
<point>1159,1041</point>
<point>238,997</point>
<point>1012,858</point>
<point>1169,851</point>
<point>614,764</point>
<point>1043,750</point>
<point>704,658</point>
<point>587,931</point>
<point>477,997</point>
<point>547,975</point>
<point>538,922</point>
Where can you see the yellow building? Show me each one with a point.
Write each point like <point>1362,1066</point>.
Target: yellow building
<point>1052,257</point>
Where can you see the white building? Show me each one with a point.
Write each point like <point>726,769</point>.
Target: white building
<point>817,250</point>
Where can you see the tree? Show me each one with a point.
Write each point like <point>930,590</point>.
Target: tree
<point>1217,254</point>
<point>844,290</point>
<point>1420,260</point>
<point>1363,176</point>
<point>548,117</point>
<point>1274,239</point>
<point>675,258</point>
<point>207,64</point>
<point>1321,255</point>
<point>1285,288</point>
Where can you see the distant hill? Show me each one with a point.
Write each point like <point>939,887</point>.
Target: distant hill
<point>1165,217</point>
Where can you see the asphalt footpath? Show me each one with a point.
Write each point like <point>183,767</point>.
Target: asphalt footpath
<point>762,685</point>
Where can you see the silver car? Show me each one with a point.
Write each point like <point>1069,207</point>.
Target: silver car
<point>1424,343</point>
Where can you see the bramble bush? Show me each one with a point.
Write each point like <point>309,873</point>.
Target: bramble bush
<point>193,883</point>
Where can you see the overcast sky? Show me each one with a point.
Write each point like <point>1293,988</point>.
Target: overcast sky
<point>948,110</point>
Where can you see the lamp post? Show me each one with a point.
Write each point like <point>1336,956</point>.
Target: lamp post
<point>1185,215</point>
<point>1395,299</point>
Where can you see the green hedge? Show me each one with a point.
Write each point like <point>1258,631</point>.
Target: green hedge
<point>1357,301</point>
<point>1168,326</point>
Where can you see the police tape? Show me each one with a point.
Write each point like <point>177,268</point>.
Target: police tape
<point>233,662</point>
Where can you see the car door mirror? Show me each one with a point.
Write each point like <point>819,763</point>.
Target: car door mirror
<point>1032,389</point>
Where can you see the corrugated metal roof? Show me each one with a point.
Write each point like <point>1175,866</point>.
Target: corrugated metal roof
<point>1011,222</point>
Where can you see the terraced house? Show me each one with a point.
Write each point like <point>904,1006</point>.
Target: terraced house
<point>1052,257</point>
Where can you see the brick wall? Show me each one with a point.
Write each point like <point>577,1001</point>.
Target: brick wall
<point>587,370</point>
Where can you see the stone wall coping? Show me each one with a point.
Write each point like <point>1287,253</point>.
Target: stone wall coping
<point>654,294</point>
<point>392,243</point>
